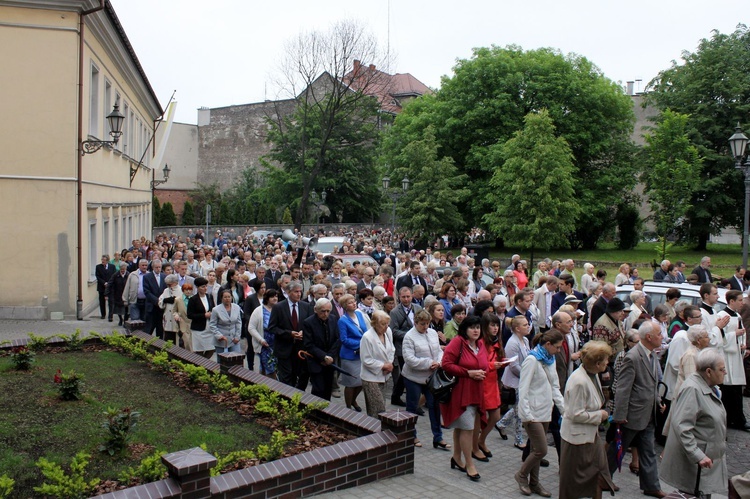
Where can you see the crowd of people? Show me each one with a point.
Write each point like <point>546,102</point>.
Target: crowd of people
<point>534,351</point>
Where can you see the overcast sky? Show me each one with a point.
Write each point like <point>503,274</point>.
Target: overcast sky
<point>223,52</point>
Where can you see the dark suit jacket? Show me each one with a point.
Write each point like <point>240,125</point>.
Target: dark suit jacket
<point>280,324</point>
<point>361,285</point>
<point>637,398</point>
<point>103,274</point>
<point>251,303</point>
<point>320,341</point>
<point>196,312</point>
<point>704,275</point>
<point>271,281</point>
<point>409,282</point>
<point>116,287</point>
<point>735,284</point>
<point>558,300</point>
<point>153,290</point>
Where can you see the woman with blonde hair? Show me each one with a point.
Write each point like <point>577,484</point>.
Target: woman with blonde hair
<point>376,353</point>
<point>583,462</point>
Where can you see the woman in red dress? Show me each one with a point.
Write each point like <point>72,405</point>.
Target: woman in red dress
<point>490,327</point>
<point>466,358</point>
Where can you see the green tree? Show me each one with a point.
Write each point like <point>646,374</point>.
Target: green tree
<point>206,194</point>
<point>168,217</point>
<point>671,165</point>
<point>155,212</point>
<point>532,188</point>
<point>287,218</point>
<point>710,85</point>
<point>188,214</point>
<point>484,103</point>
<point>329,139</point>
<point>432,205</point>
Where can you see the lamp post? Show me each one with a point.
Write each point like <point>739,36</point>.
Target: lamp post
<point>155,182</point>
<point>395,195</point>
<point>318,202</point>
<point>115,120</point>
<point>738,142</point>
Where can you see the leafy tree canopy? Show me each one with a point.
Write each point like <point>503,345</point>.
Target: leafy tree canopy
<point>485,101</point>
<point>712,86</point>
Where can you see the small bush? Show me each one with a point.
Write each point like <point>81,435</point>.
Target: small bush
<point>22,358</point>
<point>6,486</point>
<point>66,486</point>
<point>275,448</point>
<point>251,392</point>
<point>231,459</point>
<point>196,374</point>
<point>72,341</point>
<point>293,413</point>
<point>160,361</point>
<point>220,383</point>
<point>37,343</point>
<point>150,469</point>
<point>70,385</point>
<point>120,424</point>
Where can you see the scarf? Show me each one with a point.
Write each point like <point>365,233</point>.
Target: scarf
<point>542,355</point>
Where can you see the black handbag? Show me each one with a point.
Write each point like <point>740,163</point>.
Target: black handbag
<point>441,384</point>
<point>508,395</point>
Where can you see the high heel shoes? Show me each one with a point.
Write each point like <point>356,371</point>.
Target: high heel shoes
<point>474,478</point>
<point>454,466</point>
<point>441,445</point>
<point>484,459</point>
<point>485,451</point>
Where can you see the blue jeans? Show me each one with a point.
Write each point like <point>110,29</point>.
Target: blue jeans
<point>413,391</point>
<point>233,347</point>
<point>138,311</point>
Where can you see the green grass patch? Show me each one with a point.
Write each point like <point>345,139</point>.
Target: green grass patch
<point>35,423</point>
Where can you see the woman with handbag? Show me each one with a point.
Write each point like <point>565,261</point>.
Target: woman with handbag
<point>490,327</point>
<point>538,390</point>
<point>518,347</point>
<point>466,358</point>
<point>422,356</point>
<point>695,455</point>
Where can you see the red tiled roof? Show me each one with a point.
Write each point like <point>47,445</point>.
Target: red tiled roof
<point>389,89</point>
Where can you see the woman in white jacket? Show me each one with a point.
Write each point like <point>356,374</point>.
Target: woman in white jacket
<point>376,351</point>
<point>538,390</point>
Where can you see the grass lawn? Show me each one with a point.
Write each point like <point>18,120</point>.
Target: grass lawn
<point>34,423</point>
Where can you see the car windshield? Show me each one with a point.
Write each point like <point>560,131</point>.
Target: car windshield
<point>327,247</point>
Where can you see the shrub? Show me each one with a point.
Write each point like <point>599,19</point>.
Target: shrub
<point>150,469</point>
<point>72,341</point>
<point>22,358</point>
<point>275,448</point>
<point>231,459</point>
<point>66,486</point>
<point>119,425</point>
<point>196,374</point>
<point>37,343</point>
<point>293,413</point>
<point>6,486</point>
<point>220,383</point>
<point>251,392</point>
<point>70,385</point>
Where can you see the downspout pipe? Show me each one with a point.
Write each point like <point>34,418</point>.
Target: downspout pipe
<point>79,172</point>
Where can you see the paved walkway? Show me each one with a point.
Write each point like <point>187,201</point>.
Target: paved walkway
<point>432,476</point>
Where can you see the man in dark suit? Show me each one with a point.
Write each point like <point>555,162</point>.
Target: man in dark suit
<point>260,276</point>
<point>738,279</point>
<point>104,272</point>
<point>704,275</point>
<point>153,287</point>
<point>286,324</point>
<point>600,305</point>
<point>402,320</point>
<point>272,276</point>
<point>412,278</point>
<point>320,338</point>
<point>636,403</point>
<point>565,285</point>
<point>366,282</point>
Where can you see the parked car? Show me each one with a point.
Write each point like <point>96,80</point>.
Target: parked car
<point>658,293</point>
<point>326,245</point>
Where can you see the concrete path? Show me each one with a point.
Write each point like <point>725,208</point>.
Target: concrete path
<point>432,477</point>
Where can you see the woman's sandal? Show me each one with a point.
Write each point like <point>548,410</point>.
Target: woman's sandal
<point>634,469</point>
<point>417,443</point>
<point>441,445</point>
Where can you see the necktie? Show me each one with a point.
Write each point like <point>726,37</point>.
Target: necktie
<point>294,316</point>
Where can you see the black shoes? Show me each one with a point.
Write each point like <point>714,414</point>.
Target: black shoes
<point>454,466</point>
<point>398,402</point>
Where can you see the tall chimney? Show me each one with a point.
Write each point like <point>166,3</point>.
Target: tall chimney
<point>630,88</point>
<point>372,68</point>
<point>357,65</point>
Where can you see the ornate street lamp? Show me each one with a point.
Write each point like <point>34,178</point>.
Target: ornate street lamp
<point>115,120</point>
<point>395,195</point>
<point>738,142</point>
<point>155,182</point>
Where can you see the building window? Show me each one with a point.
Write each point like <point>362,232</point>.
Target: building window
<point>93,253</point>
<point>94,102</point>
<point>125,129</point>
<point>107,105</point>
<point>105,237</point>
<point>133,139</point>
<point>115,231</point>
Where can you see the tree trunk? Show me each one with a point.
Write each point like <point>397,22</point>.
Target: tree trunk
<point>702,241</point>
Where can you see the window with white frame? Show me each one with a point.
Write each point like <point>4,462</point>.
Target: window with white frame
<point>94,101</point>
<point>107,106</point>
<point>131,134</point>
<point>105,237</point>
<point>93,252</point>
<point>126,129</point>
<point>116,231</point>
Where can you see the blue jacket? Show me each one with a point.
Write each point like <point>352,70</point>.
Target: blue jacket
<point>351,335</point>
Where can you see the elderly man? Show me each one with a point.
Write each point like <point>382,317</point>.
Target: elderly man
<point>702,270</point>
<point>402,320</point>
<point>661,272</point>
<point>543,301</point>
<point>286,324</point>
<point>320,338</point>
<point>568,268</point>
<point>134,295</point>
<point>600,305</point>
<point>154,285</point>
<point>636,404</point>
